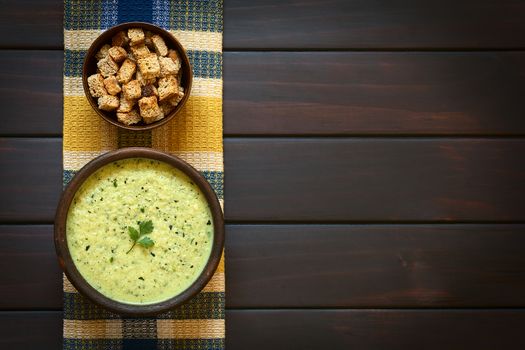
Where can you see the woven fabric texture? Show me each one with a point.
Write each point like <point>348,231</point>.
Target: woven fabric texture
<point>195,135</point>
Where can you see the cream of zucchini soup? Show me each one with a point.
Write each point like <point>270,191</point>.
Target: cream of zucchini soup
<point>139,231</point>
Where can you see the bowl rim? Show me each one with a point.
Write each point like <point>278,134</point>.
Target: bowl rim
<point>78,281</point>
<point>105,38</point>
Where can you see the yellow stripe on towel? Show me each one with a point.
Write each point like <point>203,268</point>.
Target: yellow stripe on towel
<point>96,134</point>
<point>216,283</point>
<point>220,268</point>
<point>189,131</point>
<point>190,329</point>
<point>93,329</point>
<point>198,127</point>
<point>202,161</point>
<point>67,286</point>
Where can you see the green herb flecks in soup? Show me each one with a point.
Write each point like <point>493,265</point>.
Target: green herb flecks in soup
<point>139,231</point>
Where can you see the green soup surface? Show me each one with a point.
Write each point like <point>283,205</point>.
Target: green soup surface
<point>124,194</point>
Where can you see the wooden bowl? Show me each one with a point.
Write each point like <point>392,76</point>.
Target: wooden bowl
<point>78,280</point>
<point>90,67</point>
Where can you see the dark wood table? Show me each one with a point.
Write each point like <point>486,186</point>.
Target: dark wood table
<point>375,173</point>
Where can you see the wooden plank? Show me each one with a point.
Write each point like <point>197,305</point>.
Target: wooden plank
<point>374,93</point>
<point>303,266</point>
<point>32,24</point>
<point>380,179</point>
<point>29,254</point>
<point>263,24</point>
<point>290,93</point>
<point>318,329</point>
<point>373,24</point>
<point>377,266</point>
<point>374,329</point>
<point>31,330</point>
<point>313,180</point>
<point>30,179</point>
<point>31,92</point>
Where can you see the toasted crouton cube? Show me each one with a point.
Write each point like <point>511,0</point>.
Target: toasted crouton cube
<point>108,103</point>
<point>126,71</point>
<point>112,86</point>
<point>175,100</point>
<point>150,110</point>
<point>136,36</point>
<point>144,82</point>
<point>107,67</point>
<point>168,87</point>
<point>140,51</point>
<point>103,52</point>
<point>117,54</point>
<point>160,46</point>
<point>129,118</point>
<point>120,39</point>
<point>168,67</point>
<point>149,90</point>
<point>149,66</point>
<point>166,107</point>
<point>125,105</point>
<point>147,40</point>
<point>132,90</point>
<point>174,55</point>
<point>96,85</point>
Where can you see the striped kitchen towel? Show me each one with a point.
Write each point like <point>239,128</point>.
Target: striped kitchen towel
<point>195,135</point>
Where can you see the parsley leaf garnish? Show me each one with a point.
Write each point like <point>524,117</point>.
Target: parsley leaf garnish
<point>145,227</point>
<point>146,242</point>
<point>133,233</point>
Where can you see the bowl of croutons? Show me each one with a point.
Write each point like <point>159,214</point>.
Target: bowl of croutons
<point>137,76</point>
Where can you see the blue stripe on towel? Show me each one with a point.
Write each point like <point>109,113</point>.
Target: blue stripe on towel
<point>109,14</point>
<point>135,11</point>
<point>161,13</point>
<point>139,344</point>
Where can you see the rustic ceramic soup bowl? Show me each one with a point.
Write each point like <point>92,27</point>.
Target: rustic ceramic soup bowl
<point>78,280</point>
